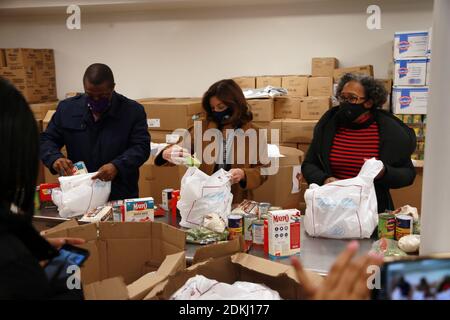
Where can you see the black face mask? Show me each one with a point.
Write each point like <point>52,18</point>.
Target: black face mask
<point>349,112</point>
<point>220,116</point>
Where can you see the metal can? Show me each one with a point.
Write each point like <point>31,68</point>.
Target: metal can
<point>404,226</point>
<point>386,225</point>
<point>417,118</point>
<point>174,201</point>
<point>258,232</point>
<point>248,226</point>
<point>263,209</point>
<point>235,225</point>
<point>166,197</point>
<point>118,210</point>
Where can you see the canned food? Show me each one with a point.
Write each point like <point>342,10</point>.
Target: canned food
<point>248,225</point>
<point>408,118</point>
<point>263,209</point>
<point>417,118</point>
<point>258,232</point>
<point>118,210</point>
<point>386,225</point>
<point>404,226</point>
<point>166,197</point>
<point>235,225</point>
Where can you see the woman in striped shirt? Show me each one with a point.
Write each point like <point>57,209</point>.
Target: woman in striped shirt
<point>357,130</point>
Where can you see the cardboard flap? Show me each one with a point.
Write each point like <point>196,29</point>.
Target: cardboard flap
<point>173,263</point>
<point>260,265</point>
<point>109,289</point>
<point>60,227</point>
<point>221,249</point>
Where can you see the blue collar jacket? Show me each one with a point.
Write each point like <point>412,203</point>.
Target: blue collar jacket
<point>119,137</point>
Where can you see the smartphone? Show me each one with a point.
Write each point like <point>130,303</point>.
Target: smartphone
<point>418,278</point>
<point>59,267</point>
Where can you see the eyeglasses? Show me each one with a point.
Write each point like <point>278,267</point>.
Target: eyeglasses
<point>350,98</point>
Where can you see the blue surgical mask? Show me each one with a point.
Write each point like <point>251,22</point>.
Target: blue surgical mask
<point>220,116</point>
<point>98,106</point>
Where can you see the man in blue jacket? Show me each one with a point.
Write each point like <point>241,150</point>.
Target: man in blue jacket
<point>102,128</point>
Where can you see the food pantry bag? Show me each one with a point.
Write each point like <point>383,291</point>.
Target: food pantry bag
<point>345,208</point>
<point>201,194</point>
<point>79,194</point>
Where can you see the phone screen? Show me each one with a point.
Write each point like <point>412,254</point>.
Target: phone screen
<point>68,256</point>
<point>424,279</point>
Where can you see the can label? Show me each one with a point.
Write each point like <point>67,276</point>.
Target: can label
<point>258,232</point>
<point>166,197</point>
<point>248,225</point>
<point>235,225</point>
<point>404,225</point>
<point>386,226</point>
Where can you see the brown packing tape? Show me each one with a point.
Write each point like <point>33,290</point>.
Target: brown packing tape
<point>221,249</point>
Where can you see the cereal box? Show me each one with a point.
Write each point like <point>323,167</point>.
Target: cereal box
<point>140,210</point>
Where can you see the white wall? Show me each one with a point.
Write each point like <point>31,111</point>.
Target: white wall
<point>180,52</point>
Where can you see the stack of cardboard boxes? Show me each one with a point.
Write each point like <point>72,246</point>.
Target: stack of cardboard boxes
<point>32,71</point>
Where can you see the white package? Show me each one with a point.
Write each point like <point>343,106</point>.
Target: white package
<point>411,71</point>
<point>344,209</point>
<point>80,194</point>
<point>410,100</point>
<point>201,194</point>
<point>410,44</point>
<point>202,288</point>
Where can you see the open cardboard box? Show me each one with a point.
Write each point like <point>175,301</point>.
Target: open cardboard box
<point>124,254</point>
<point>237,267</point>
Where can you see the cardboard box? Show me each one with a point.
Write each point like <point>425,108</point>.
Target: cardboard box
<point>44,111</point>
<point>284,233</point>
<point>289,145</point>
<point>298,131</point>
<point>366,70</point>
<point>297,86</point>
<point>273,130</point>
<point>262,109</point>
<point>153,179</point>
<point>125,249</point>
<point>2,58</point>
<point>164,115</point>
<point>410,71</point>
<point>246,82</point>
<point>159,136</point>
<point>264,81</point>
<point>320,86</point>
<point>323,67</point>
<point>313,108</point>
<point>412,194</point>
<point>287,108</point>
<point>410,100</point>
<point>238,267</point>
<point>410,44</point>
<point>20,57</point>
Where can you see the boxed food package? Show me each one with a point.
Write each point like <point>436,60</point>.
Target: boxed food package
<point>299,131</point>
<point>124,254</point>
<point>287,107</point>
<point>320,86</point>
<point>410,100</point>
<point>264,81</point>
<point>410,44</point>
<point>138,210</point>
<point>238,267</point>
<point>323,67</point>
<point>246,82</point>
<point>313,108</point>
<point>99,214</point>
<point>297,86</point>
<point>410,71</point>
<point>172,114</point>
<point>366,70</point>
<point>284,233</point>
<point>262,109</point>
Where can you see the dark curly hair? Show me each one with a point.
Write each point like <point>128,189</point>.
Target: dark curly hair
<point>373,89</point>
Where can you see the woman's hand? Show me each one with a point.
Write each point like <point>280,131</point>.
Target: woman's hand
<point>330,179</point>
<point>57,243</point>
<point>347,279</point>
<point>175,154</point>
<point>236,175</point>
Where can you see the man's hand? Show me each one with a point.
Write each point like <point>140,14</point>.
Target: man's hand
<point>57,243</point>
<point>236,175</point>
<point>330,179</point>
<point>106,173</point>
<point>176,155</point>
<point>347,279</point>
<point>63,166</point>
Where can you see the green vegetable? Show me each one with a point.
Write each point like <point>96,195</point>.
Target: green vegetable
<point>202,235</point>
<point>192,162</point>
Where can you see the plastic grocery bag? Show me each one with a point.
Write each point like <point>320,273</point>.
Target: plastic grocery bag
<point>79,194</point>
<point>346,208</point>
<point>201,194</point>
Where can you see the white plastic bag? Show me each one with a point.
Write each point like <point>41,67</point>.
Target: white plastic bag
<point>79,194</point>
<point>201,194</point>
<point>346,208</point>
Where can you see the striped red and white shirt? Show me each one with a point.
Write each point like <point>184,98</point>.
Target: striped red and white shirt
<point>351,147</point>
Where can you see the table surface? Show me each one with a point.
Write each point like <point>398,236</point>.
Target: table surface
<point>316,254</point>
